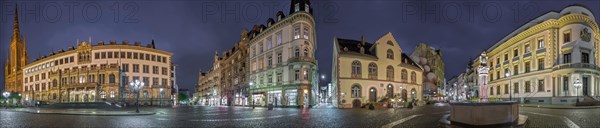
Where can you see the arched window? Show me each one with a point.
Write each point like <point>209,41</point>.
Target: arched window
<point>54,83</point>
<point>372,70</point>
<point>390,72</point>
<point>356,91</point>
<point>390,54</point>
<point>356,69</point>
<point>297,52</point>
<point>306,52</point>
<point>390,43</point>
<point>404,75</point>
<point>111,78</point>
<point>413,77</point>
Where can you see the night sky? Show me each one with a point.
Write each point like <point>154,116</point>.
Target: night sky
<point>194,30</point>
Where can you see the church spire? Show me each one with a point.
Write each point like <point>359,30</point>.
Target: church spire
<point>16,31</point>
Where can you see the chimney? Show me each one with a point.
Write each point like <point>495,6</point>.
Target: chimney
<point>362,42</point>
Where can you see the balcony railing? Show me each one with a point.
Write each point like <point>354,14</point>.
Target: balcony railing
<point>527,55</point>
<point>540,51</point>
<point>301,59</point>
<point>576,65</point>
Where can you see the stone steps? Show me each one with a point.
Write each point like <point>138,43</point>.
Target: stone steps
<point>588,101</point>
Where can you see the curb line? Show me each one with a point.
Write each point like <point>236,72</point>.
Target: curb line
<point>86,114</point>
<point>587,107</point>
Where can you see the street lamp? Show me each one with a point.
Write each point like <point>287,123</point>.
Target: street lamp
<point>161,96</point>
<point>507,74</point>
<point>455,88</point>
<point>251,96</point>
<point>136,86</point>
<point>466,92</point>
<point>577,85</point>
<point>6,94</point>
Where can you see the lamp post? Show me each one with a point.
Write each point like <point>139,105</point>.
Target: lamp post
<point>577,85</point>
<point>507,74</point>
<point>136,86</point>
<point>456,95</point>
<point>466,92</point>
<point>251,96</point>
<point>161,96</point>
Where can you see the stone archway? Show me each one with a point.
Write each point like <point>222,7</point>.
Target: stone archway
<point>356,103</point>
<point>372,95</point>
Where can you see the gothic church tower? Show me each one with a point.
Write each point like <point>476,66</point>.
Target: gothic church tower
<point>17,59</point>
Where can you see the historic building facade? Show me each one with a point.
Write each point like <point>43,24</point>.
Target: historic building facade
<point>234,76</point>
<point>16,60</point>
<point>542,60</point>
<point>226,82</point>
<point>283,68</point>
<point>209,84</point>
<point>373,72</point>
<point>431,60</point>
<point>102,72</point>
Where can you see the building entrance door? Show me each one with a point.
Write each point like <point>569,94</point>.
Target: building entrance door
<point>373,95</point>
<point>585,82</point>
<point>356,103</point>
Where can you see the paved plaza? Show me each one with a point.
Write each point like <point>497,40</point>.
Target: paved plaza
<point>210,116</point>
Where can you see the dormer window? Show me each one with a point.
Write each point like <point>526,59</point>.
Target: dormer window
<point>279,18</point>
<point>362,50</point>
<point>297,7</point>
<point>307,8</point>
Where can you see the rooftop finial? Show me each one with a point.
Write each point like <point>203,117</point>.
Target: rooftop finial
<point>362,40</point>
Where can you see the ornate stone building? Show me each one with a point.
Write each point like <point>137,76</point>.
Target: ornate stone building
<point>542,60</point>
<point>283,68</point>
<point>271,64</point>
<point>226,82</point>
<point>209,84</point>
<point>16,60</point>
<point>102,72</point>
<point>373,72</point>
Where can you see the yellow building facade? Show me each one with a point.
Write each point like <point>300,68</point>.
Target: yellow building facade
<point>373,72</point>
<point>101,72</point>
<point>542,60</point>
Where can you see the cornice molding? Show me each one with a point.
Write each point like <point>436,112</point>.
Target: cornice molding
<point>548,24</point>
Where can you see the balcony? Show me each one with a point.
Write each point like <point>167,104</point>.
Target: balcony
<point>516,58</point>
<point>540,51</point>
<point>576,65</point>
<point>528,54</point>
<point>301,59</point>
